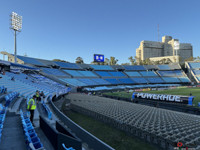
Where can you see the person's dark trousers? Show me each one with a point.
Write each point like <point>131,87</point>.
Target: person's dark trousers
<point>37,98</point>
<point>32,115</point>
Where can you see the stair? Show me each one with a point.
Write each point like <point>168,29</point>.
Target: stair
<point>12,134</point>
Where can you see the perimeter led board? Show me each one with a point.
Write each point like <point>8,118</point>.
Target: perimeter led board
<point>98,58</point>
<point>164,97</point>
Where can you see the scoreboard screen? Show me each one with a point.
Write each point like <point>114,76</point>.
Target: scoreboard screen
<point>98,58</point>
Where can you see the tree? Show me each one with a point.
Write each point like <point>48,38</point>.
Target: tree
<point>106,61</point>
<point>190,59</point>
<point>145,62</point>
<point>196,58</point>
<point>132,60</point>
<point>113,61</point>
<point>59,60</point>
<point>79,60</point>
<point>138,60</point>
<point>125,64</point>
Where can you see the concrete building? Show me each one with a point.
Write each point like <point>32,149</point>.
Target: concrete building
<point>166,48</point>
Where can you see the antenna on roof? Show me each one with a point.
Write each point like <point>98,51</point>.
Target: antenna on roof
<point>158,34</point>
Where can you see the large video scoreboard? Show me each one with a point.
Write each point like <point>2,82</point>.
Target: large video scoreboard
<point>98,58</point>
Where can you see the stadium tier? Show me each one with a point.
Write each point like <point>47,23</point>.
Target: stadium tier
<point>81,75</point>
<point>193,71</point>
<point>160,126</point>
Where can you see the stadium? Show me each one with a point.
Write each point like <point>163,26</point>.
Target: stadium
<point>151,103</point>
<point>105,94</point>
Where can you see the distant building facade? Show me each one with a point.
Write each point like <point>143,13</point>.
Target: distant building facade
<point>159,50</point>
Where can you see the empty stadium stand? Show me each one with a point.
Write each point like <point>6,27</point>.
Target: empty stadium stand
<point>193,71</point>
<point>155,125</point>
<point>86,75</point>
<point>159,126</point>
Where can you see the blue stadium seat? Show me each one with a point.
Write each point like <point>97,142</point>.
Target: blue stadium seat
<point>10,97</point>
<point>184,79</point>
<point>136,67</point>
<point>164,67</point>
<point>126,80</point>
<point>29,132</point>
<point>167,73</point>
<point>171,73</point>
<point>140,80</point>
<point>67,148</point>
<point>74,73</point>
<point>101,67</point>
<point>47,110</point>
<point>117,74</point>
<point>88,81</point>
<point>88,73</point>
<point>103,74</point>
<point>100,81</point>
<point>67,65</point>
<point>171,79</point>
<point>29,60</point>
<point>178,73</point>
<point>133,74</point>
<point>113,81</point>
<point>198,78</point>
<point>56,72</point>
<point>155,80</point>
<point>148,73</point>
<point>194,65</point>
<point>2,119</point>
<point>196,72</point>
<point>73,81</point>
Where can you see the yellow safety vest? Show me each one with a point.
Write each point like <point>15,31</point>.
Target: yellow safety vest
<point>37,94</point>
<point>33,107</point>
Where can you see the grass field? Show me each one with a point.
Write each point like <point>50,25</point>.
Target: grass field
<point>181,91</point>
<point>113,137</point>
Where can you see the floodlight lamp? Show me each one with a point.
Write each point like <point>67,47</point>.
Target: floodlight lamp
<point>16,21</point>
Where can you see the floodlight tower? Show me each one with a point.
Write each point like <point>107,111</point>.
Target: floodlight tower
<point>16,25</point>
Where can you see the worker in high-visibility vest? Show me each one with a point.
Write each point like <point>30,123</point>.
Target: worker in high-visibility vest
<point>31,107</point>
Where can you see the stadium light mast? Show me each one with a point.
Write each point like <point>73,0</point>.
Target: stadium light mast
<point>16,25</point>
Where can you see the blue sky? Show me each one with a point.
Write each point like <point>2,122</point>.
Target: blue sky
<point>66,29</point>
